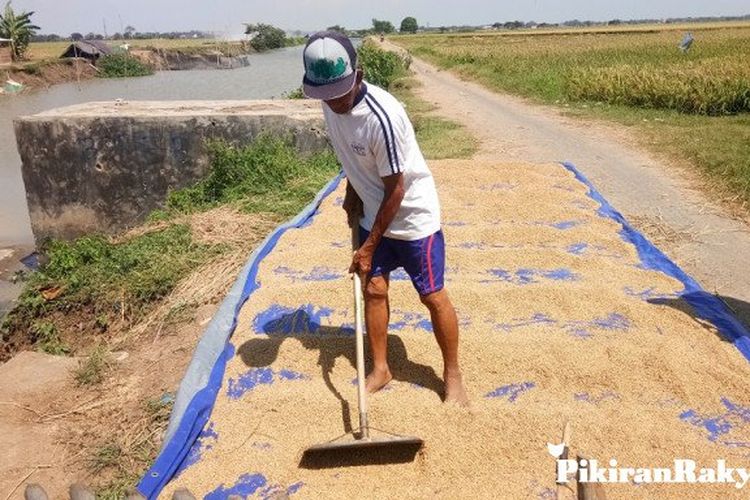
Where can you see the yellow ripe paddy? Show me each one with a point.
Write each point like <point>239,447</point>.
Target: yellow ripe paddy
<point>694,105</point>
<point>640,67</point>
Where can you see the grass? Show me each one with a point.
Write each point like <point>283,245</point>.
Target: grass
<point>47,337</point>
<point>108,455</point>
<point>118,462</point>
<point>97,281</point>
<point>266,176</point>
<point>719,146</point>
<point>692,106</point>
<point>91,370</point>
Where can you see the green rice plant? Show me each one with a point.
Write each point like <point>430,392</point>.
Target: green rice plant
<point>693,106</point>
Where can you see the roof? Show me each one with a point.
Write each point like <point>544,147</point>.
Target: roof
<point>91,47</point>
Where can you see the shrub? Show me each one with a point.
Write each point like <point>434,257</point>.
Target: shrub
<point>122,65</point>
<point>381,67</point>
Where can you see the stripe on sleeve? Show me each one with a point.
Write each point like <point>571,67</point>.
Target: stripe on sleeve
<point>390,127</point>
<point>388,140</point>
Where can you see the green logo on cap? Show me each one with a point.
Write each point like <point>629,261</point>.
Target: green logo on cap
<point>325,69</point>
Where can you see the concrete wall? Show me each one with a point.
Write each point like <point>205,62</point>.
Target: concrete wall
<point>105,166</point>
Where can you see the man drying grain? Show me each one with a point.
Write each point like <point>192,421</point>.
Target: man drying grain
<point>391,194</point>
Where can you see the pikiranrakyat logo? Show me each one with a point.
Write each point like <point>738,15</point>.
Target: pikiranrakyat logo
<point>684,471</point>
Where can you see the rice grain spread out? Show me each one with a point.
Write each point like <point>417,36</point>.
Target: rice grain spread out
<point>559,321</point>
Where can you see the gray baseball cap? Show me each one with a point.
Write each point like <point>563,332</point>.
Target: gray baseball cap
<point>330,66</point>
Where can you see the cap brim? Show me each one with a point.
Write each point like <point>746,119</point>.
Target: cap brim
<point>330,90</point>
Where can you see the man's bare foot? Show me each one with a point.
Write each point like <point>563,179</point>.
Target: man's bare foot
<point>454,388</point>
<point>377,379</point>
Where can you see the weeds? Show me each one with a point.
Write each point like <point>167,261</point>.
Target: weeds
<point>91,371</point>
<point>266,176</point>
<point>106,456</point>
<point>47,337</point>
<point>159,410</point>
<point>117,488</point>
<point>294,94</point>
<point>104,281</point>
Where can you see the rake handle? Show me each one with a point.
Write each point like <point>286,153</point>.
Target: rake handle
<point>359,321</point>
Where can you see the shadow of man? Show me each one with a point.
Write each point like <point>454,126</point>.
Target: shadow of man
<point>331,343</point>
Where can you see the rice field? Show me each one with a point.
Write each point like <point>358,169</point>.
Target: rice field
<point>693,106</point>
<point>639,68</point>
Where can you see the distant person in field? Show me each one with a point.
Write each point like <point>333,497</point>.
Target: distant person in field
<point>390,194</point>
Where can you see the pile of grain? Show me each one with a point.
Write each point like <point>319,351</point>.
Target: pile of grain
<point>558,321</point>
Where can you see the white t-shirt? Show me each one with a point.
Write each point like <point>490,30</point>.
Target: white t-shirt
<point>374,140</point>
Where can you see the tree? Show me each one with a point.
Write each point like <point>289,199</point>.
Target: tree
<point>17,28</point>
<point>409,25</point>
<point>382,26</point>
<point>337,28</point>
<point>265,36</point>
<point>129,30</point>
<point>76,37</point>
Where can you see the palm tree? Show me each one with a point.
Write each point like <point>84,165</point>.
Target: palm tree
<point>18,28</point>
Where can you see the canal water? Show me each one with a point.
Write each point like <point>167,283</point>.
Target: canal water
<point>269,75</point>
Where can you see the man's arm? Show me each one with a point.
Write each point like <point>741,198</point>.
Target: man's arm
<point>394,195</point>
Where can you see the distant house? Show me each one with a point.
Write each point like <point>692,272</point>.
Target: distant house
<point>87,49</point>
<point>5,56</point>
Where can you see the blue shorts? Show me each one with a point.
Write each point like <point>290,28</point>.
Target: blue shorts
<point>423,260</point>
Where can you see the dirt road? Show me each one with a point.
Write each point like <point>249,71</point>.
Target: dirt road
<point>658,198</point>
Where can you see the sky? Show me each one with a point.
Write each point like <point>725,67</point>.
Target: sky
<point>228,16</point>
